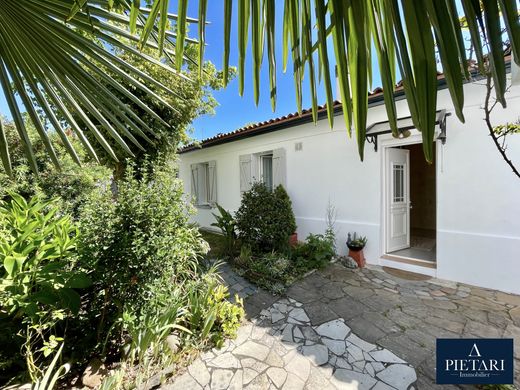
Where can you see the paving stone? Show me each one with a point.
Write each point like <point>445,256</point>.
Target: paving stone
<point>337,347</point>
<point>237,381</point>
<point>183,382</point>
<point>256,365</point>
<point>408,349</point>
<point>261,382</point>
<point>366,329</point>
<point>347,308</point>
<point>318,353</point>
<point>287,334</point>
<point>293,382</point>
<point>299,366</point>
<point>303,294</point>
<point>513,331</point>
<point>277,375</point>
<point>441,305</point>
<point>334,290</point>
<point>226,360</point>
<point>318,381</point>
<point>377,366</point>
<point>319,313</point>
<point>515,315</point>
<point>482,330</point>
<point>220,379</point>
<point>248,374</point>
<point>364,345</point>
<point>382,386</point>
<point>335,329</point>
<point>299,315</point>
<point>199,372</point>
<point>281,307</point>
<point>405,323</point>
<point>399,376</point>
<point>452,326</point>
<point>252,349</point>
<point>355,352</point>
<point>348,379</point>
<point>273,359</point>
<point>358,293</point>
<point>508,298</point>
<point>276,316</point>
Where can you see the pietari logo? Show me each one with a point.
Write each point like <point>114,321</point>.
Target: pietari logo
<point>475,361</point>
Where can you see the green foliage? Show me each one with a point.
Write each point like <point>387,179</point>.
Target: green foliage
<point>211,316</point>
<point>265,219</point>
<point>245,256</point>
<point>353,241</point>
<point>52,375</point>
<point>39,275</point>
<point>316,252</point>
<point>227,225</point>
<point>37,258</point>
<point>68,187</point>
<point>140,244</point>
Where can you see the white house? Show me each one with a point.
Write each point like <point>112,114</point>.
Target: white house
<point>457,219</point>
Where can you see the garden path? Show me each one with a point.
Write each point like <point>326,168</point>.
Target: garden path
<point>352,329</point>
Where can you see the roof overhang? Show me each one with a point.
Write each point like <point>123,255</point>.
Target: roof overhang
<point>404,125</point>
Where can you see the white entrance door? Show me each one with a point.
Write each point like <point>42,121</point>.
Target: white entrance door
<point>397,199</point>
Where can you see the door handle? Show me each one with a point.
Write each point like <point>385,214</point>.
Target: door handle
<point>411,206</point>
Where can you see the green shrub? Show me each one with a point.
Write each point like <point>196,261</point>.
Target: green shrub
<point>265,219</point>
<point>227,225</point>
<point>140,244</point>
<point>39,274</point>
<point>315,252</point>
<point>210,316</point>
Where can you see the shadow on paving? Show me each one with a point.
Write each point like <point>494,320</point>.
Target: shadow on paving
<point>350,329</point>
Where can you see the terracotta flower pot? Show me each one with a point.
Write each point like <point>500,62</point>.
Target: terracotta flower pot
<point>293,239</point>
<point>358,256</point>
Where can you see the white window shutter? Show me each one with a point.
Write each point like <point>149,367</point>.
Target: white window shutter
<point>279,168</point>
<point>195,182</point>
<point>212,183</point>
<point>245,172</point>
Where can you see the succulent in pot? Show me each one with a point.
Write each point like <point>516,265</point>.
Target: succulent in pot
<point>355,245</point>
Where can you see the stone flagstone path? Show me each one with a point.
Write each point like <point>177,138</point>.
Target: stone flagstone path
<point>281,349</point>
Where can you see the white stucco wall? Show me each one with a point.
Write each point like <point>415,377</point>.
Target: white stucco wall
<point>478,198</point>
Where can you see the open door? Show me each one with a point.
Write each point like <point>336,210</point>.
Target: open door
<point>397,199</point>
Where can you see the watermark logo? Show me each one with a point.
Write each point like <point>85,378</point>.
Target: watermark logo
<point>475,361</point>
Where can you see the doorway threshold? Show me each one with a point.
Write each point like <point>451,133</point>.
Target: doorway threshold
<point>410,260</point>
<point>417,253</point>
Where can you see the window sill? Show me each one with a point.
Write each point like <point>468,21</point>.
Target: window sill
<point>204,206</point>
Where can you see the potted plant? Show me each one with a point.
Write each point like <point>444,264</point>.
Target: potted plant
<point>355,245</point>
<point>293,239</point>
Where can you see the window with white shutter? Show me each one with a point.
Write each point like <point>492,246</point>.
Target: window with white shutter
<point>279,167</point>
<point>246,177</point>
<point>204,183</point>
<point>268,167</point>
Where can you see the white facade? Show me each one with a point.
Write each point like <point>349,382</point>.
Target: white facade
<point>478,197</point>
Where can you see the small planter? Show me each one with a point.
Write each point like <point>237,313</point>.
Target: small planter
<point>293,239</point>
<point>356,252</point>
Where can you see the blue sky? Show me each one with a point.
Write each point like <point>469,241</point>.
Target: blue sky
<point>234,111</point>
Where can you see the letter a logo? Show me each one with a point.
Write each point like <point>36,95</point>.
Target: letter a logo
<point>474,351</point>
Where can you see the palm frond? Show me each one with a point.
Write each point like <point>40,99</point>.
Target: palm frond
<point>55,53</point>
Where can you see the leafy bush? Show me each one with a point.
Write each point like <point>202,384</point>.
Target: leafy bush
<point>140,244</point>
<point>316,252</point>
<point>39,274</point>
<point>227,225</point>
<point>265,219</point>
<point>211,316</point>
<point>68,187</point>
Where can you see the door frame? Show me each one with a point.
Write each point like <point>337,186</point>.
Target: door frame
<point>388,141</point>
